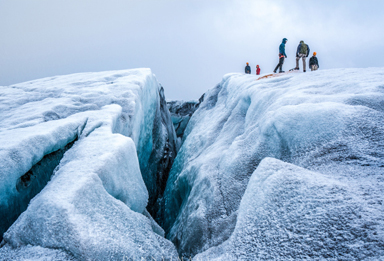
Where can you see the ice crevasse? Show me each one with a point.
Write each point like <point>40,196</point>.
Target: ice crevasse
<point>100,135</point>
<point>284,168</point>
<point>287,168</point>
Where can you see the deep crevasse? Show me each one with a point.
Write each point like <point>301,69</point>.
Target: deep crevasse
<point>282,168</point>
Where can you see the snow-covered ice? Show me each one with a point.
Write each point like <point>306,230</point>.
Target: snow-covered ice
<point>328,122</point>
<point>34,253</point>
<point>93,208</point>
<point>284,168</point>
<point>290,213</point>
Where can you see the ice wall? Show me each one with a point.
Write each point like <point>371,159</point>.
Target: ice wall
<point>162,152</point>
<point>93,208</point>
<point>329,122</point>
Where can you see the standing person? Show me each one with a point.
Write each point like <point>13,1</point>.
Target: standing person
<point>247,69</point>
<point>302,52</point>
<point>257,70</point>
<point>313,62</point>
<point>281,56</point>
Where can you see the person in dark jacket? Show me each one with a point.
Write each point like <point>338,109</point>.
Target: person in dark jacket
<point>248,69</point>
<point>302,52</point>
<point>257,70</point>
<point>313,62</point>
<point>281,56</point>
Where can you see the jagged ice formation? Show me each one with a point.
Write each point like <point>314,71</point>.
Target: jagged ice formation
<point>287,168</point>
<point>105,128</point>
<point>328,204</point>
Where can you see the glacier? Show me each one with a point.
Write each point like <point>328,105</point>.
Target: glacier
<point>98,166</point>
<point>87,146</point>
<point>282,168</point>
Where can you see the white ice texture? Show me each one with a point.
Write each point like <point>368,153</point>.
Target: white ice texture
<point>290,213</point>
<point>327,203</point>
<point>92,208</point>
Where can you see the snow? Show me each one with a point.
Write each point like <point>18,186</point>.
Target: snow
<point>329,122</point>
<point>34,253</point>
<point>290,213</point>
<point>91,209</point>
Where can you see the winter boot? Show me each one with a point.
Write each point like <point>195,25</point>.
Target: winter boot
<point>281,72</point>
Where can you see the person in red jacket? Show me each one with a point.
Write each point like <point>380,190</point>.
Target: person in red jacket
<point>257,70</point>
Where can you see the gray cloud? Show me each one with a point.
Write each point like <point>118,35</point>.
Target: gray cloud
<point>188,44</point>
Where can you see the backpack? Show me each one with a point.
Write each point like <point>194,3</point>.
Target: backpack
<point>304,48</point>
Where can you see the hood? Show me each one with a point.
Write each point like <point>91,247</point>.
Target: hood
<point>301,42</point>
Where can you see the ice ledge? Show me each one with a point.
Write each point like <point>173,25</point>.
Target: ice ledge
<point>92,208</point>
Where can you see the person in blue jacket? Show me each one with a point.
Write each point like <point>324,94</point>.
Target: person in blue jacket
<point>281,56</point>
<point>247,69</point>
<point>313,62</point>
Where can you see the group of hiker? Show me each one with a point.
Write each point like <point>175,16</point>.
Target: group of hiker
<point>302,52</point>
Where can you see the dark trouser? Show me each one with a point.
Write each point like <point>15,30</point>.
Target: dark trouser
<point>281,61</point>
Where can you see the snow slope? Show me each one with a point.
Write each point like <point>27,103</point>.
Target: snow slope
<point>327,203</point>
<point>93,207</point>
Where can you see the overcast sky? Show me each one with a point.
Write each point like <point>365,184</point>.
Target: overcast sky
<point>188,44</point>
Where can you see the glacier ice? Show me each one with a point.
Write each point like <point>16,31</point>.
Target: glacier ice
<point>283,168</point>
<point>94,206</point>
<point>329,122</point>
<point>22,158</point>
<point>181,112</point>
<point>35,253</point>
<point>290,213</point>
<point>88,210</point>
<point>156,161</point>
